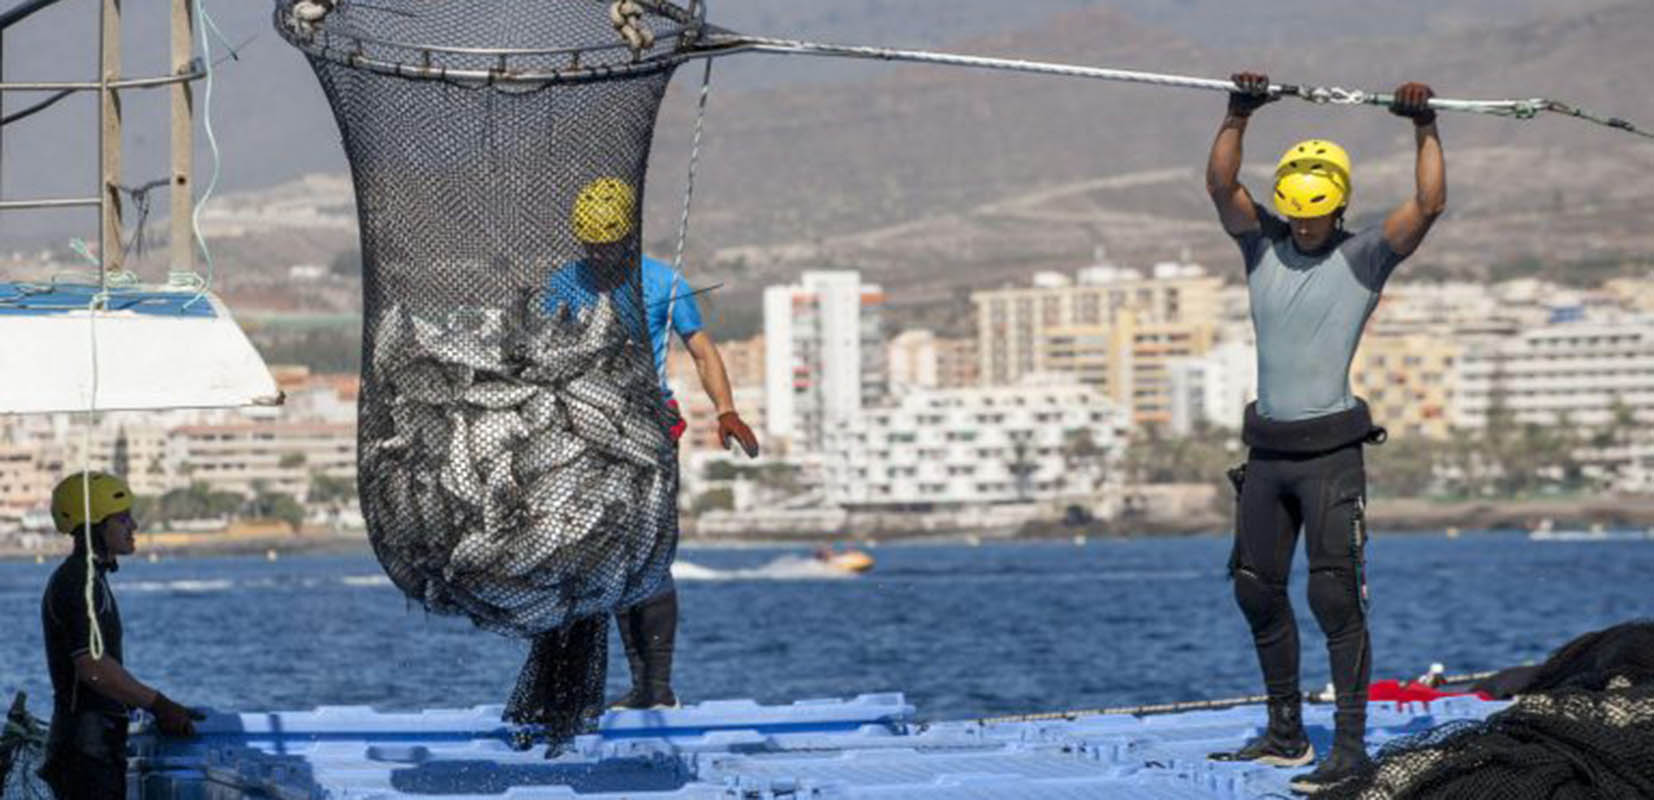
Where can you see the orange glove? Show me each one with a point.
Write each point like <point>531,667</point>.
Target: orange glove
<point>730,424</point>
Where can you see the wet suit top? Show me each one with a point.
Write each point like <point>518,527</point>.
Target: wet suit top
<point>63,621</point>
<point>1308,310</point>
<point>663,288</point>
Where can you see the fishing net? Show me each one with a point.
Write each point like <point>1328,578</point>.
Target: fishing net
<point>1582,729</point>
<point>514,463</point>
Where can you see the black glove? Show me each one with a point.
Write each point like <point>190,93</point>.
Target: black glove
<point>1254,93</point>
<point>730,425</point>
<point>173,719</point>
<point>1413,100</point>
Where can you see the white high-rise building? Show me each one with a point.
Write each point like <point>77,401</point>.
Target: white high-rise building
<point>824,354</point>
<point>1213,389</point>
<point>1047,437</point>
<point>1578,371</point>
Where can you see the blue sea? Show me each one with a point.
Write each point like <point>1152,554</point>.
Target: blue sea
<point>963,631</point>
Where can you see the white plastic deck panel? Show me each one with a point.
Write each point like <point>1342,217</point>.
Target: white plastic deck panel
<point>156,348</point>
<point>866,747</point>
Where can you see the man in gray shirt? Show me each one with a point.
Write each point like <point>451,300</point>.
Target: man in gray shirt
<point>1312,286</point>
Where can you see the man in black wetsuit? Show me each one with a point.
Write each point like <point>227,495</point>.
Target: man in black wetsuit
<point>1312,287</point>
<point>91,690</point>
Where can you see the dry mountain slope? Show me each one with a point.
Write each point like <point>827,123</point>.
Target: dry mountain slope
<point>940,178</point>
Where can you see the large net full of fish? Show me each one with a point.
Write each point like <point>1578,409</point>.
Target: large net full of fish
<point>1582,728</point>
<point>514,465</point>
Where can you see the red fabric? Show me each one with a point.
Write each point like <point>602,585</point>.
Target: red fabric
<point>676,431</point>
<point>1397,692</point>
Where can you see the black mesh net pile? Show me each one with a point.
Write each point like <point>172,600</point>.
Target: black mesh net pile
<point>514,463</point>
<point>1582,728</point>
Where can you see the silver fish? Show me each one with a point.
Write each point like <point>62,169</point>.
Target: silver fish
<point>425,383</point>
<point>593,425</point>
<point>492,432</point>
<point>542,411</point>
<point>459,475</point>
<point>392,342</point>
<point>546,451</point>
<point>499,394</point>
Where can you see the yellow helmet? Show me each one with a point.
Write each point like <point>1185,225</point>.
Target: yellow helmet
<point>1312,179</point>
<point>603,211</point>
<point>110,496</point>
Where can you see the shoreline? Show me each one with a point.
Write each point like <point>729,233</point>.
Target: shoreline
<point>1400,516</point>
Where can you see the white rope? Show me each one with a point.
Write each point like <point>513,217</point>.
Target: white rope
<point>683,221</point>
<point>204,24</point>
<point>94,632</point>
<point>1519,109</point>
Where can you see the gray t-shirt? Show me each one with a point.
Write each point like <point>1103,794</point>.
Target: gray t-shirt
<point>1308,312</point>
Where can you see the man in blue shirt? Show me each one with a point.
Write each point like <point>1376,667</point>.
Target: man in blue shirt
<point>1312,286</point>
<point>603,219</point>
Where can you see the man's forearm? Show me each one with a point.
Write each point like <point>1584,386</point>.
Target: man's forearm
<point>715,379</point>
<point>112,680</point>
<point>1430,171</point>
<point>1223,167</point>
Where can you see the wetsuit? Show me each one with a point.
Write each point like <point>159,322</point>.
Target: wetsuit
<point>86,746</point>
<point>649,629</point>
<point>1304,469</point>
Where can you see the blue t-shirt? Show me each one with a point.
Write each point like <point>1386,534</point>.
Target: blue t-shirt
<point>664,291</point>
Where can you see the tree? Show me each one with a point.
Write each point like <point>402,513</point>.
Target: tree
<point>276,505</point>
<point>1404,466</point>
<point>290,460</point>
<point>713,500</point>
<point>327,489</point>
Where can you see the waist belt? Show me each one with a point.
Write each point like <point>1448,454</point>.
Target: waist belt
<point>1322,434</point>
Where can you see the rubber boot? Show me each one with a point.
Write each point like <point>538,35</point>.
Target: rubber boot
<point>649,633</point>
<point>1283,743</point>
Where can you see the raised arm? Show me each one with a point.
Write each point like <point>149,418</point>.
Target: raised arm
<point>1234,204</point>
<point>1406,226</point>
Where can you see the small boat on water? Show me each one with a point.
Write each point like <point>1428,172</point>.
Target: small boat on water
<point>849,560</point>
<point>1546,532</point>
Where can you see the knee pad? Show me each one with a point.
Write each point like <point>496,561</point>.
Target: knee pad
<point>1262,602</point>
<point>1335,597</point>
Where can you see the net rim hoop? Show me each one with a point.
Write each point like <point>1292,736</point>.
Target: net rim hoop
<point>689,28</point>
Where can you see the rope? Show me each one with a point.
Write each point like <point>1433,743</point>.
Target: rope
<point>1172,708</point>
<point>1517,109</point>
<point>94,632</point>
<point>683,221</point>
<point>627,18</point>
<point>205,24</point>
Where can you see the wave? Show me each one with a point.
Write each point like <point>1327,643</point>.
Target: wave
<point>184,586</point>
<point>785,568</point>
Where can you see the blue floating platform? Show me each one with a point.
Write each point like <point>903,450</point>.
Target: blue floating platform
<point>865,747</point>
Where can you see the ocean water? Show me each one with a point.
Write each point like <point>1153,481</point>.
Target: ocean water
<point>963,631</point>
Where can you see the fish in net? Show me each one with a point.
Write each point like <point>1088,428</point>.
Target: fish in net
<point>514,461</point>
<point>1581,728</point>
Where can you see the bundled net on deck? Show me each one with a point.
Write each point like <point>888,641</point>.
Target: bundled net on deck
<point>514,464</point>
<point>1582,728</point>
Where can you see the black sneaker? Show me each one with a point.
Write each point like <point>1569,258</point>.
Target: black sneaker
<point>1283,743</point>
<point>1345,764</point>
<point>1273,750</point>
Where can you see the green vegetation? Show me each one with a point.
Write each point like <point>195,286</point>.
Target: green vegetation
<point>713,500</point>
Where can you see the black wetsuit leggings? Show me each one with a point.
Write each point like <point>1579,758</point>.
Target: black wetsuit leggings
<point>1325,496</point>
<point>649,632</point>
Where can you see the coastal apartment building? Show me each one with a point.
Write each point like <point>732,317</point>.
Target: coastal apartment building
<point>919,359</point>
<point>1571,371</point>
<point>275,457</point>
<point>959,447</point>
<point>1113,329</point>
<point>1409,381</point>
<point>824,355</point>
<point>1213,389</point>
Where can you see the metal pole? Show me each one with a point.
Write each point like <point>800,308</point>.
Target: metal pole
<point>109,138</point>
<point>183,141</point>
